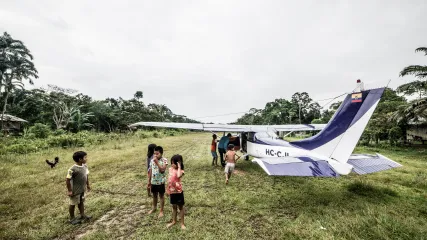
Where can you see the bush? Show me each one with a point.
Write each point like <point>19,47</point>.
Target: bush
<point>157,134</point>
<point>316,121</point>
<point>40,130</point>
<point>33,141</point>
<point>21,148</point>
<point>142,134</point>
<point>66,140</point>
<point>58,132</point>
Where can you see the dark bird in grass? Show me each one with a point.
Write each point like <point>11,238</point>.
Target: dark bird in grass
<point>53,164</point>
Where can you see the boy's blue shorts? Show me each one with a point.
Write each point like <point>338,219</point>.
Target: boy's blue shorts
<point>214,154</point>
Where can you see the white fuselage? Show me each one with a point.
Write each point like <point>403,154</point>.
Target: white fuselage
<point>265,151</point>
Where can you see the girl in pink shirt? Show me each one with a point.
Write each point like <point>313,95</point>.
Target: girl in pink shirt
<point>174,189</point>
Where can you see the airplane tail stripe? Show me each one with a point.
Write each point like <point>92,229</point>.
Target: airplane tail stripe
<point>347,115</point>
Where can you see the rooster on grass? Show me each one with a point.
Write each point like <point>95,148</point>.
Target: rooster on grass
<point>53,164</point>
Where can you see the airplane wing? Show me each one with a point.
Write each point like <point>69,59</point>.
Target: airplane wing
<point>296,166</point>
<point>232,128</point>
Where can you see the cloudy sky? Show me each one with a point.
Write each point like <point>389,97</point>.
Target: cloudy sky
<point>246,52</point>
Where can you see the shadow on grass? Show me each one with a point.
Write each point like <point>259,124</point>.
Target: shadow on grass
<point>370,191</point>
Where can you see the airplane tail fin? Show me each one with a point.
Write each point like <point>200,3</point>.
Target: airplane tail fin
<point>340,136</point>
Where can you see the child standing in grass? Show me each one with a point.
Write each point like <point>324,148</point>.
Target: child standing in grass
<point>213,151</point>
<point>157,179</point>
<point>150,154</point>
<point>77,181</point>
<point>230,158</point>
<point>174,190</point>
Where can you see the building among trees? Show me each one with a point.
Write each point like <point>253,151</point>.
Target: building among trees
<point>417,131</point>
<point>12,123</point>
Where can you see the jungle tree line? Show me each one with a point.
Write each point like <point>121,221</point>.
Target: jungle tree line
<point>76,112</point>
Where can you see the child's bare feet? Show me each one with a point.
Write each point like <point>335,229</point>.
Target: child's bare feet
<point>151,211</point>
<point>161,214</point>
<point>170,224</point>
<point>183,227</point>
<point>226,181</point>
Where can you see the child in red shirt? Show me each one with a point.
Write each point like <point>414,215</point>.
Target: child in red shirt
<point>213,151</point>
<point>174,189</point>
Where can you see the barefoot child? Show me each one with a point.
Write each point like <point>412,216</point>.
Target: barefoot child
<point>157,178</point>
<point>174,189</point>
<point>77,180</point>
<point>231,161</point>
<point>213,151</point>
<point>150,154</point>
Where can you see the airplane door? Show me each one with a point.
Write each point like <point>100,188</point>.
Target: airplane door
<point>243,141</point>
<point>244,144</point>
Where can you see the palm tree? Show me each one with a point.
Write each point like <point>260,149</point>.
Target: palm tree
<point>81,120</point>
<point>414,110</point>
<point>419,87</point>
<point>416,70</point>
<point>15,66</point>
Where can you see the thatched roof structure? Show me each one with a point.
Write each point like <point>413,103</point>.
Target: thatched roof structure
<point>10,118</point>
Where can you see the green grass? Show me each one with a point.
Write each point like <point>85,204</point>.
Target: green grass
<point>385,205</point>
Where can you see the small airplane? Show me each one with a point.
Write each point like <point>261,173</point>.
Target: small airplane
<point>326,154</point>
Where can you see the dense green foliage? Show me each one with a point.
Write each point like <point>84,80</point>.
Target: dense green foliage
<point>40,137</point>
<point>300,109</point>
<point>381,127</point>
<point>76,112</point>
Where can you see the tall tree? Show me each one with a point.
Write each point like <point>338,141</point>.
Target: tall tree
<point>415,110</point>
<point>380,124</point>
<point>15,66</point>
<point>301,101</point>
<point>138,95</point>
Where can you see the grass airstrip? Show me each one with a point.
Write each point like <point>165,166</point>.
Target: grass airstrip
<point>385,205</point>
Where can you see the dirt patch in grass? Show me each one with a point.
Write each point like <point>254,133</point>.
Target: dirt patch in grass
<point>120,224</point>
<point>239,172</point>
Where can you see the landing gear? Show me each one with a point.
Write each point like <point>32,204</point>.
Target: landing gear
<point>245,156</point>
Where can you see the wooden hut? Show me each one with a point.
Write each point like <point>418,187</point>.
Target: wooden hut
<point>12,123</point>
